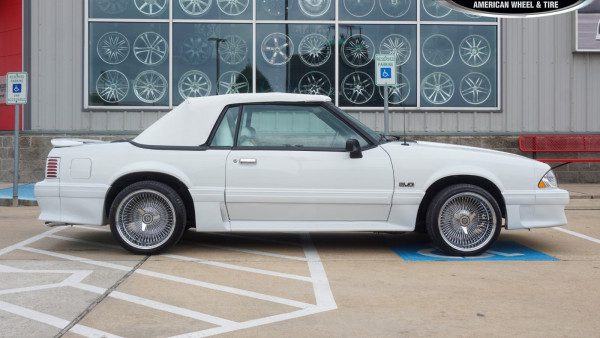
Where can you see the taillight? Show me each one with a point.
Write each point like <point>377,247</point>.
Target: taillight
<point>52,167</point>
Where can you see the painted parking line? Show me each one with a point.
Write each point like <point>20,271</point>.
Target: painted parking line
<point>577,234</point>
<point>500,251</point>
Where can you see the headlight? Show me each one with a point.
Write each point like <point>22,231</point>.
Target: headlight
<point>548,181</point>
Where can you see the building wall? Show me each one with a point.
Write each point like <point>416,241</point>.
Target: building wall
<point>545,86</point>
<point>10,51</point>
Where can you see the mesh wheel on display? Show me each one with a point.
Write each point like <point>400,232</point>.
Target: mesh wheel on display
<point>474,50</point>
<point>314,50</point>
<point>358,87</point>
<point>277,49</point>
<point>112,86</point>
<point>437,88</point>
<point>150,7</point>
<point>233,50</point>
<point>394,8</point>
<point>194,83</point>
<point>314,8</point>
<point>475,88</point>
<point>358,50</point>
<point>150,48</point>
<point>359,8</point>
<point>399,92</point>
<point>437,50</point>
<point>113,48</point>
<point>436,8</point>
<point>150,86</point>
<point>397,45</point>
<point>196,50</point>
<point>315,83</point>
<point>233,82</point>
<point>112,6</point>
<point>233,7</point>
<point>195,7</point>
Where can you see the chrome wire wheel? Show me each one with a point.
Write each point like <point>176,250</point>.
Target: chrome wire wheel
<point>467,221</point>
<point>145,219</point>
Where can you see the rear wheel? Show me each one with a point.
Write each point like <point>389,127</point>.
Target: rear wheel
<point>147,217</point>
<point>463,220</point>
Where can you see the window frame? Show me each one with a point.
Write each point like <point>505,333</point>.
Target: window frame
<point>337,22</point>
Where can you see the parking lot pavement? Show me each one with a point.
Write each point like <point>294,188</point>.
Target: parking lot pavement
<point>76,281</point>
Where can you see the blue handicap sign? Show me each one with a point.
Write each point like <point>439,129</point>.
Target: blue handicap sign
<point>16,88</point>
<point>386,72</point>
<point>500,251</point>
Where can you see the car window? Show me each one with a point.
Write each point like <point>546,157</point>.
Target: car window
<point>224,135</point>
<point>296,127</point>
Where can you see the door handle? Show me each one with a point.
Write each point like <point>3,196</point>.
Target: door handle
<point>248,161</point>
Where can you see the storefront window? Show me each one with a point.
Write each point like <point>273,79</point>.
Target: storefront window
<point>154,54</point>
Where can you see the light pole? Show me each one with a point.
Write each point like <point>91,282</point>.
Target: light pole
<point>217,43</point>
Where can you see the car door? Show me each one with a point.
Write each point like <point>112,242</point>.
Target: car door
<point>289,163</point>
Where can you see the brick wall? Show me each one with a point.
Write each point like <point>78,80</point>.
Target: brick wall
<point>35,147</point>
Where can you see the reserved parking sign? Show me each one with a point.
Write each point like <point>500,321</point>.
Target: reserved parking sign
<point>385,69</point>
<point>16,88</point>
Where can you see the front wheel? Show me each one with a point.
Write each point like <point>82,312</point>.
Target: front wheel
<point>147,217</point>
<point>463,220</point>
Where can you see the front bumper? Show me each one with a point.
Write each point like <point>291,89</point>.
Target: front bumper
<point>536,209</point>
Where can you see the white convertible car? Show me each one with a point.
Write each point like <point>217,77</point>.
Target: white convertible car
<point>290,163</point>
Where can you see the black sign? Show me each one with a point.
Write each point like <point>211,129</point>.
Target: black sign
<point>518,7</point>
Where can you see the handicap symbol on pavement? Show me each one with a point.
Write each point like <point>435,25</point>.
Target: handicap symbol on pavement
<point>500,251</point>
<point>386,73</point>
<point>16,88</point>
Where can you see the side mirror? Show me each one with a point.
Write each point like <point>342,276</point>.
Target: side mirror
<point>353,147</point>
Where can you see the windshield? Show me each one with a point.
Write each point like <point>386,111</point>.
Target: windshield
<point>361,125</point>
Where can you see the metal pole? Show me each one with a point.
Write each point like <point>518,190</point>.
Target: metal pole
<point>16,158</point>
<point>386,112</point>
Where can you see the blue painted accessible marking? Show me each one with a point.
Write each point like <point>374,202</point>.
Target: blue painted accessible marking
<point>500,251</point>
<point>25,192</point>
<point>386,73</point>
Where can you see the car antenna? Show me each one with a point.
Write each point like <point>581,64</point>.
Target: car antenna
<point>404,133</point>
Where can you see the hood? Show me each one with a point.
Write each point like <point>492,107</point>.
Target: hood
<point>442,146</point>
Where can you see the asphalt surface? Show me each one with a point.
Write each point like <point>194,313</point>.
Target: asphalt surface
<point>76,281</point>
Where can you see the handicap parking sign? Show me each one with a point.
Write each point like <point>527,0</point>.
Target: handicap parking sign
<point>16,88</point>
<point>386,73</point>
<point>500,251</point>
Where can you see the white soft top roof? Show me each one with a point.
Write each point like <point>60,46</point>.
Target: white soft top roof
<point>190,123</point>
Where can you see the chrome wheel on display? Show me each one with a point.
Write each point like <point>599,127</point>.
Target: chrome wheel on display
<point>232,7</point>
<point>399,92</point>
<point>194,83</point>
<point>145,219</point>
<point>394,8</point>
<point>315,83</point>
<point>150,86</point>
<point>475,88</point>
<point>277,49</point>
<point>112,6</point>
<point>196,50</point>
<point>359,8</point>
<point>397,45</point>
<point>358,50</point>
<point>437,88</point>
<point>113,48</point>
<point>150,7</point>
<point>358,87</point>
<point>233,82</point>
<point>275,8</point>
<point>112,86</point>
<point>467,221</point>
<point>233,50</point>
<point>314,8</point>
<point>437,50</point>
<point>314,50</point>
<point>474,50</point>
<point>195,7</point>
<point>436,8</point>
<point>150,48</point>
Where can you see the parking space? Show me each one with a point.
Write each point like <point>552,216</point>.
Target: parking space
<point>76,281</point>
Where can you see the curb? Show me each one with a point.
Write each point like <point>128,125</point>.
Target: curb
<point>22,203</point>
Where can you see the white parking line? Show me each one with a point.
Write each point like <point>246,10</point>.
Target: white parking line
<point>576,234</point>
<point>27,241</point>
<point>256,239</point>
<point>254,252</point>
<point>52,320</point>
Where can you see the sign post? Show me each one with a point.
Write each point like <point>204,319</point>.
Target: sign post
<point>385,75</point>
<point>16,94</point>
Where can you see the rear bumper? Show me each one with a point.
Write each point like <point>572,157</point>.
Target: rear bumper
<point>71,203</point>
<point>536,209</point>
